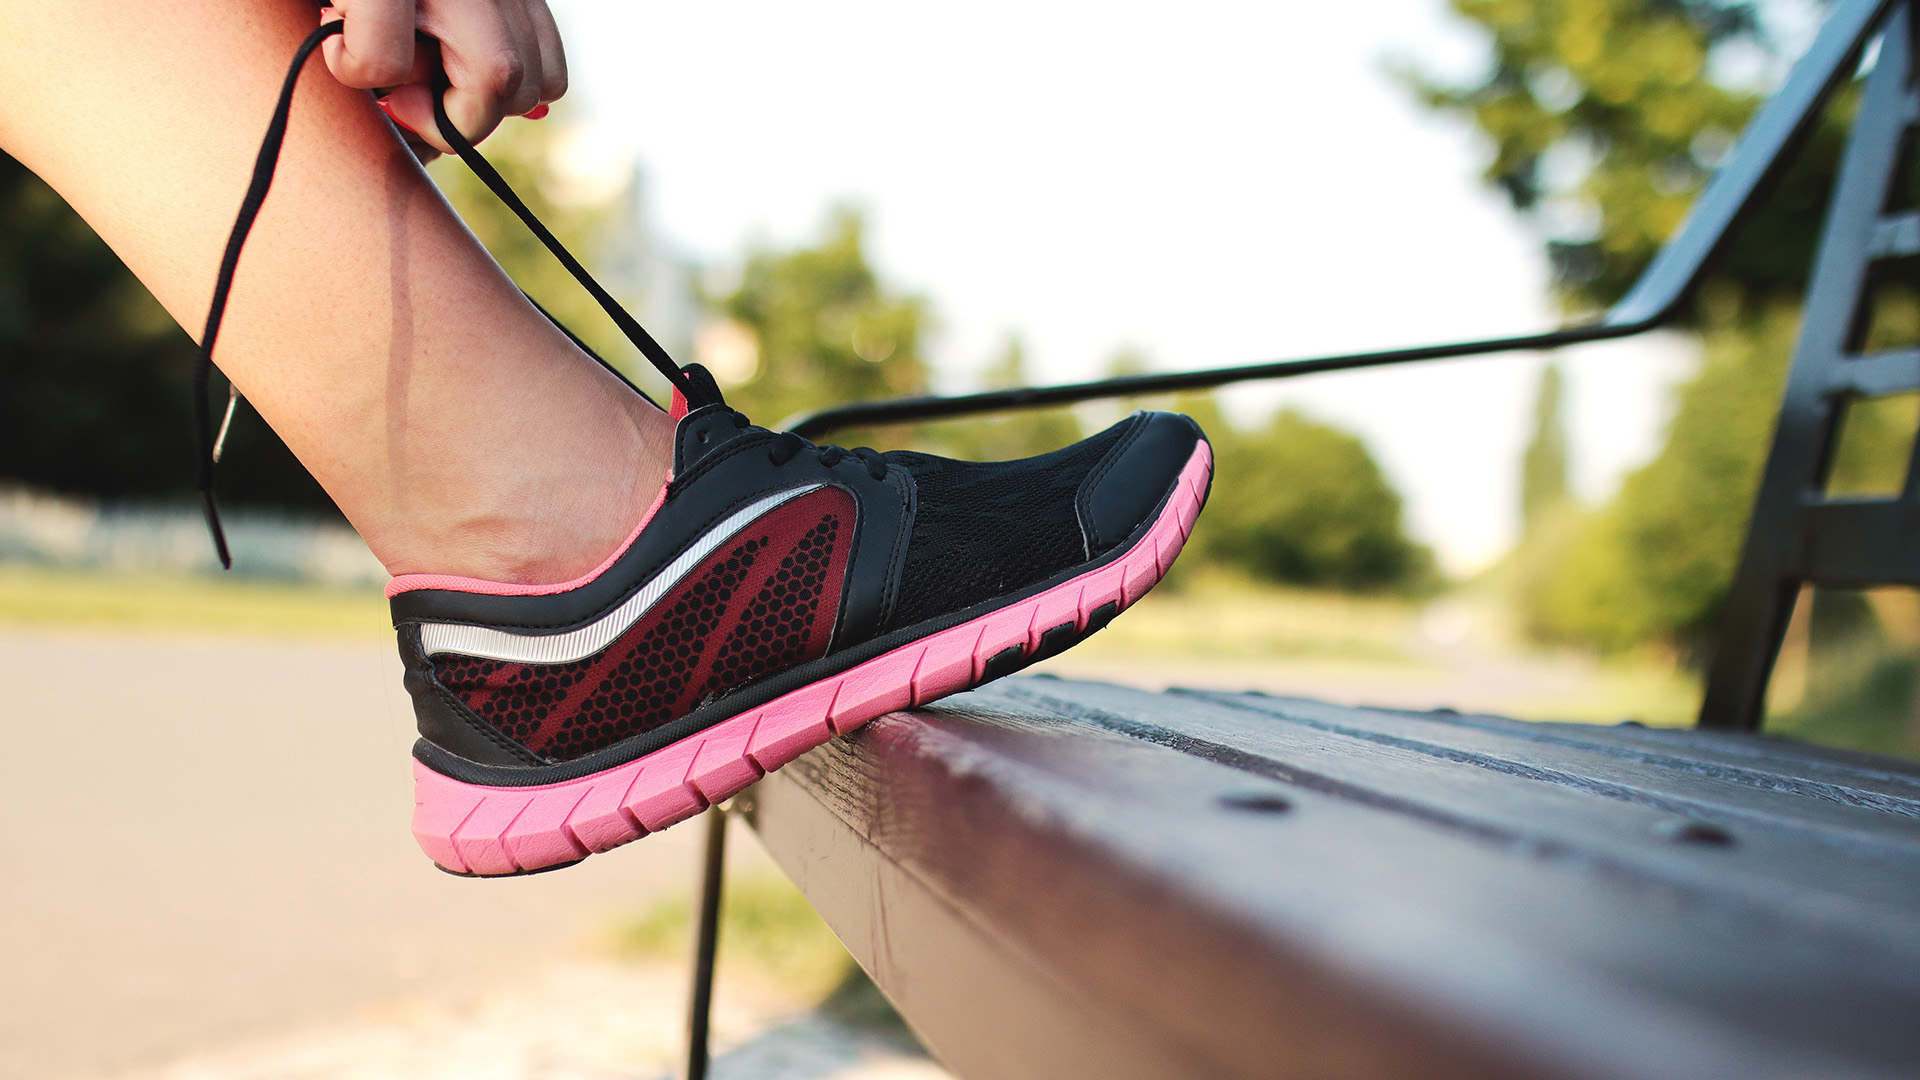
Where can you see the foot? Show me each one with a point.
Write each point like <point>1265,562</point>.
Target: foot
<point>776,594</point>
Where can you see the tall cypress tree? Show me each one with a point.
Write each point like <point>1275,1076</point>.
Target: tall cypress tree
<point>1606,118</point>
<point>1543,471</point>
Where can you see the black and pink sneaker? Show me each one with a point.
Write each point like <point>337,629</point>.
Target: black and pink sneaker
<point>777,594</point>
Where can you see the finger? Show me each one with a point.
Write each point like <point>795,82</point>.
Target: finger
<point>411,107</point>
<point>553,55</point>
<point>421,148</point>
<point>484,64</point>
<point>410,104</point>
<point>526,45</point>
<point>376,47</point>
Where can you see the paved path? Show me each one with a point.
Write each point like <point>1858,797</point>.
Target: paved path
<point>204,851</point>
<point>205,842</point>
<point>569,1021</point>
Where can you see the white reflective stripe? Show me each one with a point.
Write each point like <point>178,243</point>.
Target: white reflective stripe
<point>563,648</point>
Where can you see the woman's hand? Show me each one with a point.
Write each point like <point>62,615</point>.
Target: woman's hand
<point>503,58</point>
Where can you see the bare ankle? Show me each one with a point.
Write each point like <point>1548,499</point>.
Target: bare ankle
<point>538,520</point>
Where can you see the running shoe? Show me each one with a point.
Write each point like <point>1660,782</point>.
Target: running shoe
<point>777,594</point>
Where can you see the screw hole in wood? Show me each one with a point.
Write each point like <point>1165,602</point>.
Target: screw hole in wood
<point>1699,833</point>
<point>1257,802</point>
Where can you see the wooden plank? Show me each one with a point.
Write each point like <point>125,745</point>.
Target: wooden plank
<point>1848,814</point>
<point>1740,760</point>
<point>1628,816</point>
<point>1783,758</point>
<point>1043,871</point>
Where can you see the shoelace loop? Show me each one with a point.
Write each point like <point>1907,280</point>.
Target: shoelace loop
<point>787,446</point>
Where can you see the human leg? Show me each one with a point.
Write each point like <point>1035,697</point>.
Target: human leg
<point>458,430</point>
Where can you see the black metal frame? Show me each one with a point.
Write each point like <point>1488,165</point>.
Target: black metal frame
<point>706,944</point>
<point>1796,534</point>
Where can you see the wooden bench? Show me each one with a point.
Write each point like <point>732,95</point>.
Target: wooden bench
<point>1058,879</point>
<point>1063,879</point>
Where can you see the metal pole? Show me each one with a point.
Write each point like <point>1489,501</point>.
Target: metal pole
<point>706,943</point>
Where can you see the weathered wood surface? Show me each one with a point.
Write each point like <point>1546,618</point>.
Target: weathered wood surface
<point>1059,879</point>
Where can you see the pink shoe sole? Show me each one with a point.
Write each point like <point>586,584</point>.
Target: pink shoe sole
<point>495,831</point>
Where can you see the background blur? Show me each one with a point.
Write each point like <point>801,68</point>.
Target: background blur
<point>854,200</point>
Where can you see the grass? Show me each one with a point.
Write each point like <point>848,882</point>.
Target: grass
<point>769,932</point>
<point>1201,617</point>
<point>1860,699</point>
<point>1223,617</point>
<point>39,597</point>
<point>1654,694</point>
<point>766,926</point>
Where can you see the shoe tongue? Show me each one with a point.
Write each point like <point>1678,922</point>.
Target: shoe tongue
<point>705,392</point>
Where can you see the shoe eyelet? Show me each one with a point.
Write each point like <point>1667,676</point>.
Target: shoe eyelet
<point>703,435</point>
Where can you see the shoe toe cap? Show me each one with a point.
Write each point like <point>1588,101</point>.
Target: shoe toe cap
<point>1135,477</point>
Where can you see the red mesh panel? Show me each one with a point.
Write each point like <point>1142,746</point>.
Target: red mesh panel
<point>762,603</point>
<point>782,626</point>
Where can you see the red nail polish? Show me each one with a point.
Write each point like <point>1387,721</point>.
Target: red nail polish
<point>388,109</point>
<point>538,112</point>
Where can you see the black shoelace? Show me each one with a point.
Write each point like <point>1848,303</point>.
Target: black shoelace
<point>696,392</point>
<point>786,445</point>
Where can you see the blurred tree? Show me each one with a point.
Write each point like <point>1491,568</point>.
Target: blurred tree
<point>1308,506</point>
<point>1606,118</point>
<point>828,331</point>
<point>1295,501</point>
<point>1653,566</point>
<point>1009,435</point>
<point>97,398</point>
<point>1543,470</point>
<point>590,227</point>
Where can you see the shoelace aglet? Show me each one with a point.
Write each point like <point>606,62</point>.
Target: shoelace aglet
<point>226,422</point>
<point>213,526</point>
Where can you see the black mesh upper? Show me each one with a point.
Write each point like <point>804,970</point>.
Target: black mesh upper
<point>985,529</point>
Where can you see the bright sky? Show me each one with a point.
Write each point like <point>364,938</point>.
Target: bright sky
<point>1211,183</point>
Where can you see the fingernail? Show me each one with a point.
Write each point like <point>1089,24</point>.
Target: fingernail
<point>538,112</point>
<point>388,109</point>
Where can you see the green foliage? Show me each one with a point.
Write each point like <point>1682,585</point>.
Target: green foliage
<point>1860,656</point>
<point>1874,445</point>
<point>1870,708</point>
<point>765,922</point>
<point>1303,503</point>
<point>770,930</point>
<point>1606,120</point>
<point>1013,435</point>
<point>1543,470</point>
<point>522,153</point>
<point>1605,115</point>
<point>38,596</point>
<point>1655,565</point>
<point>1295,502</point>
<point>828,331</point>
